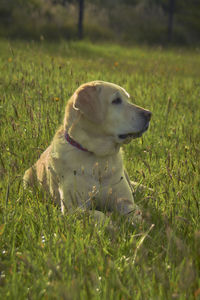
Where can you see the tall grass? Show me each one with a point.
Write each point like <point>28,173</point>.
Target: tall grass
<point>45,255</point>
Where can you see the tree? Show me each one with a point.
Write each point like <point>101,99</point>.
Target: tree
<point>170,19</point>
<point>80,13</point>
<point>80,19</point>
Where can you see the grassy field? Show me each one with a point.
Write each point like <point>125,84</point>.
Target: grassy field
<point>44,255</point>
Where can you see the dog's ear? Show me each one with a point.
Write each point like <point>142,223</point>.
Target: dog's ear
<point>86,99</point>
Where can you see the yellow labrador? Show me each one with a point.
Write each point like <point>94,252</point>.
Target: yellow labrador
<point>83,166</point>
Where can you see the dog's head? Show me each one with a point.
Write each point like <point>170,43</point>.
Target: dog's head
<point>107,107</point>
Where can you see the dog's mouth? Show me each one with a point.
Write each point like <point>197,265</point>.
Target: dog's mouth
<point>134,135</point>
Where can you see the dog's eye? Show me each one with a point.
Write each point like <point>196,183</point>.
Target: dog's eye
<point>117,101</point>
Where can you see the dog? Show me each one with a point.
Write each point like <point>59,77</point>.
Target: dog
<point>83,166</point>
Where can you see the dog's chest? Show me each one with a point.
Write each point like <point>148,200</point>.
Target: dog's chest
<point>89,169</point>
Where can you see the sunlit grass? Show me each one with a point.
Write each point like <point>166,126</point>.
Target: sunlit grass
<point>47,256</point>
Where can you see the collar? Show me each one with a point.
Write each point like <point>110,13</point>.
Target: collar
<point>74,143</point>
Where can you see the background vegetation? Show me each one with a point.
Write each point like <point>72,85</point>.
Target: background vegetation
<point>127,21</point>
<point>44,255</point>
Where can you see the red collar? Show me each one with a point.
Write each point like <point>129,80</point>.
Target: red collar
<point>74,143</point>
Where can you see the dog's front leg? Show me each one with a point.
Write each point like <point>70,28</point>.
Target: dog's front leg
<point>85,208</point>
<point>122,201</point>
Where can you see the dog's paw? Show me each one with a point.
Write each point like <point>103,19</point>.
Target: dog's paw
<point>134,217</point>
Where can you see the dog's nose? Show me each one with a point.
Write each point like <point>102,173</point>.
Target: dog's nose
<point>147,114</point>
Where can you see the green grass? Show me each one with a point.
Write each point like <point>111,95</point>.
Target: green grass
<point>44,255</point>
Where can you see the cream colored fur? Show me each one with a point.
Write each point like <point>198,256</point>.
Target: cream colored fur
<point>94,179</point>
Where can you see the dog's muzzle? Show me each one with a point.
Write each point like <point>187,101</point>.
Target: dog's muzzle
<point>146,115</point>
<point>134,135</point>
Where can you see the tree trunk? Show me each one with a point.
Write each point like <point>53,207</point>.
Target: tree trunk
<point>80,19</point>
<point>171,19</point>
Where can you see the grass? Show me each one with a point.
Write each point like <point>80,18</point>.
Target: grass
<point>45,255</point>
